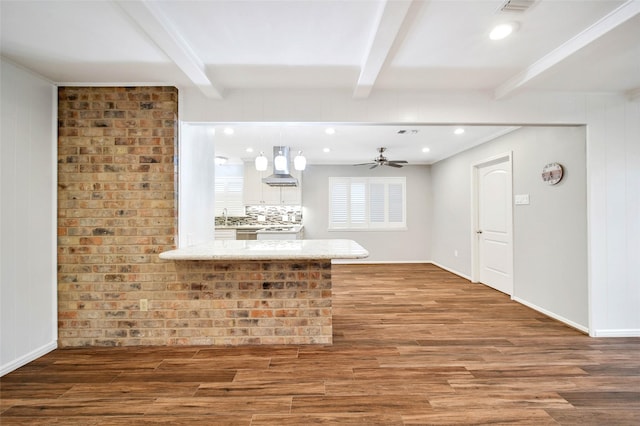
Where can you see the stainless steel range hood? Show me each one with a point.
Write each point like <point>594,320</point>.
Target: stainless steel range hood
<point>281,176</point>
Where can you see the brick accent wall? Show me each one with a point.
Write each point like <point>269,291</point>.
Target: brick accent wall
<point>116,211</point>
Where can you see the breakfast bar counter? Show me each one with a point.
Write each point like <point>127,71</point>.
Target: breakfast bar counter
<point>269,250</point>
<point>258,292</point>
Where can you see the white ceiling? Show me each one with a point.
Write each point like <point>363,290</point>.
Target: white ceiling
<point>352,143</point>
<point>359,46</point>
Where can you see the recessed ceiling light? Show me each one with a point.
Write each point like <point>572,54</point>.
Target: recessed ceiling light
<point>330,130</point>
<point>326,150</point>
<point>502,31</point>
<point>228,131</point>
<point>425,149</point>
<point>458,131</point>
<point>249,149</point>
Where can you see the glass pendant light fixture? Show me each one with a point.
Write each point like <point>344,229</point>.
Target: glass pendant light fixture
<point>261,162</point>
<point>280,162</point>
<point>299,162</point>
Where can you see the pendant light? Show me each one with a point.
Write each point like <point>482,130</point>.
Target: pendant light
<point>280,162</point>
<point>299,162</point>
<point>261,162</point>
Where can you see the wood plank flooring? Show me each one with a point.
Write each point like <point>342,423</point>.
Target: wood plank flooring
<point>413,344</point>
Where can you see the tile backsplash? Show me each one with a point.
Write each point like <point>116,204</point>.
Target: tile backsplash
<point>273,215</point>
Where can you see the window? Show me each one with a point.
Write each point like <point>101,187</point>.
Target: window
<point>367,203</point>
<point>229,195</point>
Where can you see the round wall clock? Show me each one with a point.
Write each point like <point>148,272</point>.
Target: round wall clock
<point>552,173</point>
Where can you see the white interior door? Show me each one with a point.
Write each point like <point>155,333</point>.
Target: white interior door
<point>494,225</point>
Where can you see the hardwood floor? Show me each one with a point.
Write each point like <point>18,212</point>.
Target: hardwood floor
<point>413,344</point>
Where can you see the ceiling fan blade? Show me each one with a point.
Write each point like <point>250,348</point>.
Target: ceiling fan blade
<point>381,160</point>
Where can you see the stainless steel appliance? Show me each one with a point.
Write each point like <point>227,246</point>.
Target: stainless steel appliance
<point>246,234</point>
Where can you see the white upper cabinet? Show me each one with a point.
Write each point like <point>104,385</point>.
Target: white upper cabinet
<point>258,193</point>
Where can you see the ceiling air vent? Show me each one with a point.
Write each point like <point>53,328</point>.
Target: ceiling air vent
<point>518,6</point>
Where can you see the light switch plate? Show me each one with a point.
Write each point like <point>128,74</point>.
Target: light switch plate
<point>522,199</point>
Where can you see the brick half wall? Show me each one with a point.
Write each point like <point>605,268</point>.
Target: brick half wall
<point>247,303</point>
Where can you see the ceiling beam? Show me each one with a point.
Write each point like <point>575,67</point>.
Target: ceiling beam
<point>619,16</point>
<point>392,16</point>
<point>154,23</point>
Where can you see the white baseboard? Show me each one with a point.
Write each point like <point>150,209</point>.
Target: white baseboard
<point>548,313</point>
<point>460,274</point>
<point>371,262</point>
<point>27,358</point>
<point>622,332</point>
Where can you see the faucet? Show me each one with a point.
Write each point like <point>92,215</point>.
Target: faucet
<point>224,214</point>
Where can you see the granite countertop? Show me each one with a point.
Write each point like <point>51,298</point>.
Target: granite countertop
<point>269,250</point>
<point>283,229</point>
<point>257,226</point>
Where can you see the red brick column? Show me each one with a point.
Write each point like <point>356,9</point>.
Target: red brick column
<point>116,211</point>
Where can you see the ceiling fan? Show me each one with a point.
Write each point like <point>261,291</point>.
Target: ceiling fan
<point>381,160</point>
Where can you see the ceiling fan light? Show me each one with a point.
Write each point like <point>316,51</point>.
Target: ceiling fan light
<point>261,162</point>
<point>299,162</point>
<point>280,162</point>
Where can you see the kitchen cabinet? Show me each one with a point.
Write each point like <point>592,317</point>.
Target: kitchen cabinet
<point>257,193</point>
<point>292,196</point>
<point>225,234</point>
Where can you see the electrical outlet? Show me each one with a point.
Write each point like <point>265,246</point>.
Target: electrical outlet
<point>144,305</point>
<point>455,253</point>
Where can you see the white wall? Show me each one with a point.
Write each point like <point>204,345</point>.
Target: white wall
<point>196,186</point>
<point>613,166</point>
<point>410,245</point>
<point>550,233</point>
<point>28,312</point>
<point>613,161</point>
